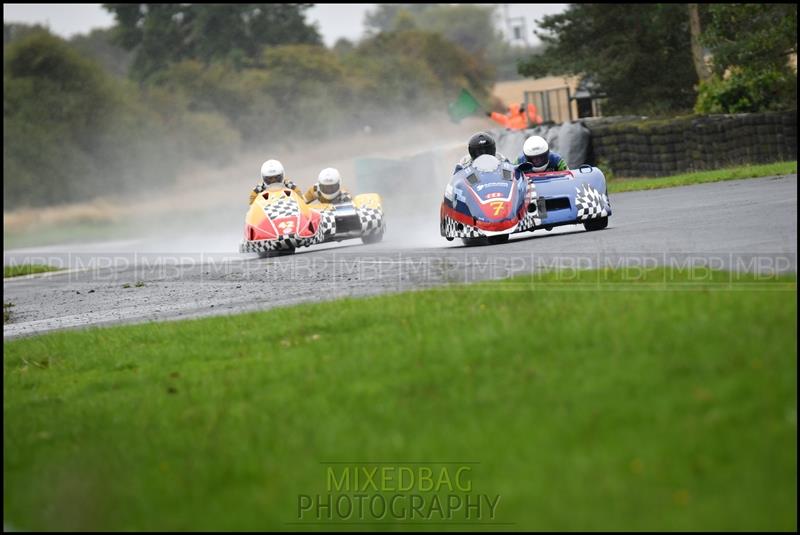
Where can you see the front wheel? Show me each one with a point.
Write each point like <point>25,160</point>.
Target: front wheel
<point>496,240</point>
<point>276,252</point>
<point>596,224</point>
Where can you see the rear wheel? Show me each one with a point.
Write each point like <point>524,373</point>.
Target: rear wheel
<point>596,224</point>
<point>372,238</point>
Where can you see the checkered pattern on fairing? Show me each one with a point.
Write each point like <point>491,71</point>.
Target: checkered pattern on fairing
<point>327,225</point>
<point>284,207</point>
<point>590,203</point>
<point>450,229</point>
<point>282,244</point>
<point>531,219</point>
<point>371,220</point>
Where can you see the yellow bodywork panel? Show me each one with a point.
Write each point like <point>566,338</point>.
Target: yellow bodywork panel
<point>367,200</point>
<point>256,215</point>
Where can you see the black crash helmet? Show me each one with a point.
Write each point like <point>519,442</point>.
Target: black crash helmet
<point>481,143</point>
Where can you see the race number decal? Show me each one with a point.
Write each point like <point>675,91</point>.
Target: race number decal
<point>286,226</point>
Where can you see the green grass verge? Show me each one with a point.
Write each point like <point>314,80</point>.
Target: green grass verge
<point>593,403</point>
<point>71,232</point>
<point>18,270</point>
<point>618,185</point>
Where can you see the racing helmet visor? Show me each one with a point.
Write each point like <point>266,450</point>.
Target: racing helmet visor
<point>539,160</point>
<point>329,189</point>
<point>483,149</point>
<point>274,179</point>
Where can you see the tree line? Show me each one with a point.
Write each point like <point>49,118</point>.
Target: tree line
<point>640,56</point>
<point>173,86</point>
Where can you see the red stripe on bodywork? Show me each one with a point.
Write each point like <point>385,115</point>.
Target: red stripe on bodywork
<point>497,227</point>
<point>471,221</point>
<point>548,174</point>
<point>458,216</point>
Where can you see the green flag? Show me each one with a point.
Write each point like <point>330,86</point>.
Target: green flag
<point>464,106</point>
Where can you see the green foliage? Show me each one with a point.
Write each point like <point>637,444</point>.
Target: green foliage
<point>99,45</point>
<point>313,91</point>
<point>162,34</point>
<point>54,103</point>
<point>750,46</point>
<point>236,98</point>
<point>384,17</point>
<point>75,131</point>
<point>310,87</point>
<point>606,169</point>
<point>751,36</point>
<point>639,55</point>
<point>451,66</point>
<point>208,137</point>
<point>343,46</point>
<point>470,26</point>
<point>13,31</point>
<point>746,91</point>
<point>506,59</point>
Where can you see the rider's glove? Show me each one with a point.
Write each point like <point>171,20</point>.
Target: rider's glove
<point>291,185</point>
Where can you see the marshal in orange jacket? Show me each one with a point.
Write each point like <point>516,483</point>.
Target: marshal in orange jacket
<point>516,118</point>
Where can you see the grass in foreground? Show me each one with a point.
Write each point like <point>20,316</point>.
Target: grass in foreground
<point>618,185</point>
<point>18,270</point>
<point>588,405</point>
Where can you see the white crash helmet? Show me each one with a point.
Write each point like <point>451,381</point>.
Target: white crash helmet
<point>330,183</point>
<point>271,172</point>
<point>537,152</point>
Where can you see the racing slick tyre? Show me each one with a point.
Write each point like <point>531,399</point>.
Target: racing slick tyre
<point>472,242</point>
<point>496,240</point>
<point>372,238</point>
<point>596,224</point>
<point>274,253</point>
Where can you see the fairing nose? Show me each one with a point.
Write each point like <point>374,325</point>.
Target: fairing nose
<point>262,231</point>
<point>497,210</point>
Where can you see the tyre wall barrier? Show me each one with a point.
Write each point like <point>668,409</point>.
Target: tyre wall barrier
<point>651,148</point>
<point>627,146</point>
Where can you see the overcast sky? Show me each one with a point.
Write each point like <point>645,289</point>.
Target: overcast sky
<point>334,20</point>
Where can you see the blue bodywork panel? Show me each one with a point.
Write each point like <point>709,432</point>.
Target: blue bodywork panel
<point>471,186</point>
<point>568,197</point>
